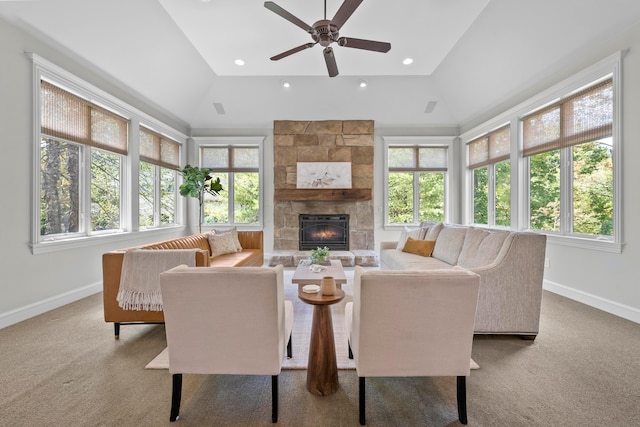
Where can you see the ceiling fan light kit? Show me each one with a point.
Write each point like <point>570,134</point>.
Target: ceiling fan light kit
<point>325,32</point>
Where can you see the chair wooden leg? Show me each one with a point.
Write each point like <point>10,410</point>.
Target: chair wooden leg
<point>274,398</point>
<point>116,330</point>
<point>289,348</point>
<point>175,397</point>
<point>361,387</point>
<point>462,399</point>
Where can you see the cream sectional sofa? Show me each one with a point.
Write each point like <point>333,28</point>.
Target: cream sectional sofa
<point>510,265</point>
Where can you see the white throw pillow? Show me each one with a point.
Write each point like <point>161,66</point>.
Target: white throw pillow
<point>221,244</point>
<point>234,233</point>
<point>415,234</point>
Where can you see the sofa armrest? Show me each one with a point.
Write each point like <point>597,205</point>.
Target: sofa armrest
<point>251,239</point>
<point>511,289</point>
<point>111,272</point>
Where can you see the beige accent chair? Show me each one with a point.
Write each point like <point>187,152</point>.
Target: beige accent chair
<point>226,320</point>
<point>412,323</point>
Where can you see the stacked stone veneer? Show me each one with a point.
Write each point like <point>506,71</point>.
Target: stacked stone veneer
<point>323,141</point>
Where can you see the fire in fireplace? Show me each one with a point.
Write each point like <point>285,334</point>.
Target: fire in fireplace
<point>331,231</point>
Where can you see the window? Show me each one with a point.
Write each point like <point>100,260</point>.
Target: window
<point>159,161</point>
<point>82,147</point>
<point>98,171</point>
<point>416,182</point>
<point>237,162</point>
<point>569,146</point>
<point>490,168</point>
<point>567,173</point>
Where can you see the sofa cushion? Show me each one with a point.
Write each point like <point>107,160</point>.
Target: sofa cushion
<point>481,247</point>
<point>416,233</point>
<point>221,244</point>
<point>248,257</point>
<point>393,259</point>
<point>419,247</point>
<point>433,231</point>
<point>449,244</point>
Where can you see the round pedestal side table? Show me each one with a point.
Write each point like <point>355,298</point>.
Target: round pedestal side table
<point>322,369</point>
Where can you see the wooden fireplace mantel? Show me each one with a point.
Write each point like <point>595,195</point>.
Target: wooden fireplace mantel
<point>321,194</point>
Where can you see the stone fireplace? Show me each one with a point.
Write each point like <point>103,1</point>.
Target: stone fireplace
<point>323,141</point>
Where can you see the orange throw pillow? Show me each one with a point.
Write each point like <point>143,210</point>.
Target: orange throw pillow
<point>419,247</point>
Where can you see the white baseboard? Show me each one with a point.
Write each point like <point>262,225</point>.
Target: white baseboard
<point>615,308</point>
<point>31,310</point>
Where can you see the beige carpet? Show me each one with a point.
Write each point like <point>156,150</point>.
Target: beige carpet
<point>302,319</point>
<point>64,368</point>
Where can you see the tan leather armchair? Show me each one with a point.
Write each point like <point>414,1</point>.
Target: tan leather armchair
<point>226,320</point>
<point>412,323</point>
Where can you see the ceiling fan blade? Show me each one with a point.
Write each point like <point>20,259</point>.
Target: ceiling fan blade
<point>330,59</point>
<point>364,44</point>
<point>288,16</point>
<point>345,11</point>
<point>292,51</point>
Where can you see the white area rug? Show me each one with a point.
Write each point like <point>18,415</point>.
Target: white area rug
<point>302,319</point>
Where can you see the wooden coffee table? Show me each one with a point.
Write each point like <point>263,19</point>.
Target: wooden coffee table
<point>322,368</point>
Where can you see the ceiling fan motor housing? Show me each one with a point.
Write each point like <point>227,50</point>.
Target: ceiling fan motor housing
<point>324,32</point>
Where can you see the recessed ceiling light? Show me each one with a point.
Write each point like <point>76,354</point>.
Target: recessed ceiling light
<point>407,61</point>
<point>363,83</point>
<point>239,62</point>
<point>286,84</point>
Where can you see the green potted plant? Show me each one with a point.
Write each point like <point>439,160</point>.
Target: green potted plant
<point>319,255</point>
<point>195,183</point>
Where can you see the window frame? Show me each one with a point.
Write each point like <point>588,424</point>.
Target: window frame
<point>159,163</point>
<point>491,179</point>
<point>420,142</point>
<point>609,67</point>
<point>157,197</point>
<point>233,141</point>
<point>48,71</point>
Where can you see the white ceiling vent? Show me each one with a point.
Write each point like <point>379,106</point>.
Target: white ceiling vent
<point>430,107</point>
<point>219,108</point>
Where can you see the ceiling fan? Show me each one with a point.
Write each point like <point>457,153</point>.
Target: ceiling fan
<point>326,32</point>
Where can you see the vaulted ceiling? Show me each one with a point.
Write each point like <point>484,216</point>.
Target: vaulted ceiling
<point>469,56</point>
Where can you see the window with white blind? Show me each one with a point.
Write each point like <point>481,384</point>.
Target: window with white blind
<point>100,171</point>
<point>159,163</point>
<point>237,161</point>
<point>490,168</point>
<point>82,147</point>
<point>416,179</point>
<point>569,146</point>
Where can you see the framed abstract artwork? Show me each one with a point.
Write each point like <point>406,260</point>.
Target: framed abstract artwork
<point>323,175</point>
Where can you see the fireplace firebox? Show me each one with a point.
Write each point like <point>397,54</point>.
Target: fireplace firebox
<point>331,231</point>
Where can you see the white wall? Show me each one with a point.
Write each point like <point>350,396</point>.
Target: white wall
<point>605,280</point>
<point>31,284</point>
